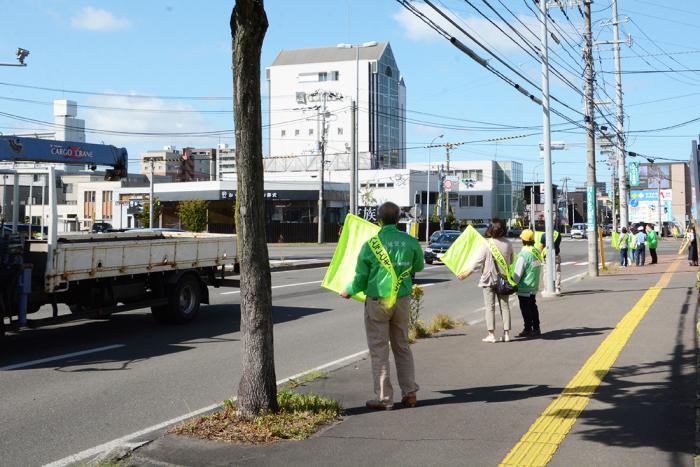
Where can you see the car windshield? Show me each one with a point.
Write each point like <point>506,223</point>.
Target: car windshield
<point>446,238</point>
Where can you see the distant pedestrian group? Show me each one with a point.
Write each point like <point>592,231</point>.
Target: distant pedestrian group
<point>635,242</point>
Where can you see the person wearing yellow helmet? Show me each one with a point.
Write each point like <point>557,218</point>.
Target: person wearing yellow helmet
<point>526,273</point>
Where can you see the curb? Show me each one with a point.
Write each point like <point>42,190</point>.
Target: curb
<point>120,449</point>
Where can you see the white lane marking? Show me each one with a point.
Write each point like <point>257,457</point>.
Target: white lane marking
<point>292,270</point>
<point>59,357</point>
<point>582,263</point>
<point>568,263</point>
<point>124,440</point>
<point>275,287</point>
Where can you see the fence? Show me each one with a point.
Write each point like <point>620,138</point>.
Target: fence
<point>288,232</point>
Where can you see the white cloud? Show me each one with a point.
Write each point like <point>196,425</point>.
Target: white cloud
<point>143,115</point>
<point>95,19</point>
<point>479,27</point>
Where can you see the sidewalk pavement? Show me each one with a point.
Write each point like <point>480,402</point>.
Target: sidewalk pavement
<point>477,400</point>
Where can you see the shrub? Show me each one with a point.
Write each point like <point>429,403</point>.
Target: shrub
<point>193,214</point>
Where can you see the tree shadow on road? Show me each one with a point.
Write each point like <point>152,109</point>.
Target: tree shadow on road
<point>142,336</point>
<point>650,404</point>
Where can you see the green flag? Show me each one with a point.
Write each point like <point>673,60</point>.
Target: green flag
<point>464,252</point>
<point>341,271</point>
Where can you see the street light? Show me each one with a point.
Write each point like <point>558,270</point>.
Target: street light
<point>21,54</point>
<point>427,194</point>
<point>354,162</point>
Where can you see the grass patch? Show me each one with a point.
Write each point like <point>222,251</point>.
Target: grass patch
<point>299,416</point>
<point>441,322</point>
<point>307,378</point>
<point>417,330</point>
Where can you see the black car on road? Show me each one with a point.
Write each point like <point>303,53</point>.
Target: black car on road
<point>439,245</point>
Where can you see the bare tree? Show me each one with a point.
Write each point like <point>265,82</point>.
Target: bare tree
<point>257,390</point>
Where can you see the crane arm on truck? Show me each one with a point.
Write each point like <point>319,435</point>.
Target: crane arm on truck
<point>20,149</point>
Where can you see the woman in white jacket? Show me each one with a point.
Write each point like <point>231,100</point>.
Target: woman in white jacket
<point>489,277</point>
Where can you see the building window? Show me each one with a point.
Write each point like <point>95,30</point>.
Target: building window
<point>323,76</point>
<point>311,131</point>
<point>340,131</point>
<point>89,204</point>
<point>68,188</point>
<point>471,201</point>
<point>476,175</point>
<point>387,71</point>
<point>296,132</point>
<point>106,204</point>
<point>284,133</point>
<point>335,75</point>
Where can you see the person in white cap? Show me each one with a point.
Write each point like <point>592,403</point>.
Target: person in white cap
<point>640,238</point>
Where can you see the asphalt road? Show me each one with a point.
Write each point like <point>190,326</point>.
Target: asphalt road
<point>71,387</point>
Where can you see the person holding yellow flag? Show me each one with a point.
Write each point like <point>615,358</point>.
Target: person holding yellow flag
<point>383,273</point>
<point>494,260</point>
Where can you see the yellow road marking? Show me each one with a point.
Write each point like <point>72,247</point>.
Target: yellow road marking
<point>540,442</point>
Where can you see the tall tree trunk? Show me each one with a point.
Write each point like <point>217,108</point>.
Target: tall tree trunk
<point>257,391</point>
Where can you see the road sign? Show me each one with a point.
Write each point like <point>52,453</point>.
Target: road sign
<point>634,173</point>
<point>450,183</point>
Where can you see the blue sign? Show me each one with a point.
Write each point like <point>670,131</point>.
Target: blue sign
<point>590,208</point>
<point>13,148</point>
<point>634,173</point>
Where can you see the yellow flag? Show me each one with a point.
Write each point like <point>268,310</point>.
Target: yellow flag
<point>464,252</point>
<point>615,240</point>
<point>341,271</point>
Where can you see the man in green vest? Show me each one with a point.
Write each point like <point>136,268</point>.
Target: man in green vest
<point>652,242</point>
<point>383,273</point>
<point>526,272</point>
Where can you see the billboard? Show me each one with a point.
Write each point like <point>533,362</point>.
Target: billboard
<point>643,206</point>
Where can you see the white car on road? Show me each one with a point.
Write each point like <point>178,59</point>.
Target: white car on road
<point>578,231</point>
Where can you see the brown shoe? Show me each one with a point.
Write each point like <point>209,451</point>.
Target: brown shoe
<point>525,333</point>
<point>379,405</point>
<point>409,400</point>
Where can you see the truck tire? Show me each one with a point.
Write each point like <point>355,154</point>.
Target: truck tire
<point>183,302</point>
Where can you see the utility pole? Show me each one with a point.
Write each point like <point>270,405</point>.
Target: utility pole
<point>590,146</point>
<point>353,158</point>
<point>321,167</point>
<point>321,113</point>
<point>441,177</point>
<point>621,163</point>
<point>150,196</point>
<point>547,150</point>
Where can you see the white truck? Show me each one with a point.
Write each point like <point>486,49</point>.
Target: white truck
<point>101,273</point>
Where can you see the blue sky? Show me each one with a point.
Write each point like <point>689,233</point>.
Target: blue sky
<point>166,52</point>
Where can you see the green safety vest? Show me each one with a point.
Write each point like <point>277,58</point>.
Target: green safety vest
<point>539,235</point>
<point>530,280</point>
<point>375,244</point>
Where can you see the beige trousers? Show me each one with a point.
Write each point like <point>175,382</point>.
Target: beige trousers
<point>383,327</point>
<point>490,305</point>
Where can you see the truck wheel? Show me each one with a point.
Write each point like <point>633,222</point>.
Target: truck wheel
<point>185,299</point>
<point>183,302</point>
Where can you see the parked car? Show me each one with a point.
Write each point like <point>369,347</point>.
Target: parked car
<point>439,246</point>
<point>578,231</point>
<point>101,227</point>
<point>481,228</point>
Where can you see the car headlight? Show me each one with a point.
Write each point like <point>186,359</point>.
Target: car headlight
<point>428,250</point>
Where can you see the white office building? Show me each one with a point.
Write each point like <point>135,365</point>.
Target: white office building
<point>298,80</point>
<point>225,162</point>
